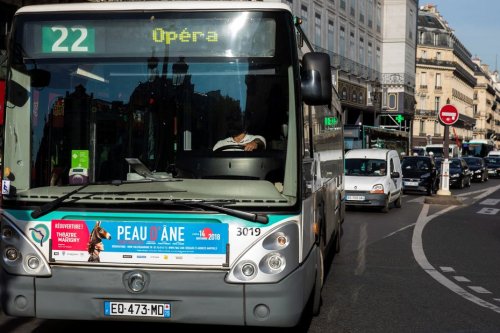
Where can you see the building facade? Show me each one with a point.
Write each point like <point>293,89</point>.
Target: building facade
<point>446,73</point>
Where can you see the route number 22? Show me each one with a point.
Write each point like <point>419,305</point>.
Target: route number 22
<point>61,39</point>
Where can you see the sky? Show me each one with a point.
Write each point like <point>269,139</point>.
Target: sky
<point>476,24</point>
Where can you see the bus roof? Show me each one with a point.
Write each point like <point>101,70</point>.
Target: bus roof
<point>152,5</point>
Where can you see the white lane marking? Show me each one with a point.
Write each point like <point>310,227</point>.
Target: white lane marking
<point>480,290</point>
<point>461,279</point>
<point>419,255</point>
<point>446,269</point>
<point>488,211</point>
<point>490,202</point>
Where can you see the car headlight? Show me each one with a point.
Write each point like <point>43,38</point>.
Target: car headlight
<point>454,175</point>
<point>478,171</point>
<point>378,188</point>
<point>425,175</point>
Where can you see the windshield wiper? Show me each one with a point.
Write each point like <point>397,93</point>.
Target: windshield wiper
<point>218,206</point>
<point>50,206</point>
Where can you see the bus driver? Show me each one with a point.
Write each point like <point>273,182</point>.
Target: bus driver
<point>239,137</point>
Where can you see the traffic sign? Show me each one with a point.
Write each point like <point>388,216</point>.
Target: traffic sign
<point>448,115</point>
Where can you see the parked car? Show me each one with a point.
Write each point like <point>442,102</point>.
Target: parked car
<point>460,173</point>
<point>478,168</point>
<point>419,174</point>
<point>373,178</point>
<point>493,165</point>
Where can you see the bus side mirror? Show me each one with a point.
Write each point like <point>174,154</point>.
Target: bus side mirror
<point>316,79</point>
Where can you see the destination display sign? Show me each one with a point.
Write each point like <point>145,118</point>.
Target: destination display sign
<point>208,36</point>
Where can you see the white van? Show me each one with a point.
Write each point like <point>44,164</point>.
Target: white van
<point>368,182</point>
<point>437,150</point>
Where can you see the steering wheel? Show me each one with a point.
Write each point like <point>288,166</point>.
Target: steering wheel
<point>239,147</point>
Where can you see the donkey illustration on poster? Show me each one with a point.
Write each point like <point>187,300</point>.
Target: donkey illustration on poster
<point>95,245</point>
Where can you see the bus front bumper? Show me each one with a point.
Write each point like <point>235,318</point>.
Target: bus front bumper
<point>195,297</point>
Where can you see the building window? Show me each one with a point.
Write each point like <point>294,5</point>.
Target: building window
<point>421,104</point>
<point>370,56</point>
<point>317,29</point>
<point>411,25</point>
<point>422,128</point>
<point>331,36</point>
<point>369,13</point>
<point>437,128</point>
<point>438,80</point>
<point>353,8</point>
<point>379,18</point>
<point>352,47</point>
<point>437,103</point>
<point>342,4</point>
<point>362,11</point>
<point>392,101</point>
<point>424,54</point>
<point>377,59</point>
<point>304,18</point>
<point>342,42</point>
<point>423,80</point>
<point>361,55</point>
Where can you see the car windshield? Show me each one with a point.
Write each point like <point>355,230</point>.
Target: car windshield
<point>492,160</point>
<point>365,167</point>
<point>416,164</point>
<point>473,161</point>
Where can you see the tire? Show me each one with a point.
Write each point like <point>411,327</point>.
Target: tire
<point>385,208</point>
<point>398,202</point>
<point>430,189</point>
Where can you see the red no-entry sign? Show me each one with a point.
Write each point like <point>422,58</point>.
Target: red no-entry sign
<point>448,115</point>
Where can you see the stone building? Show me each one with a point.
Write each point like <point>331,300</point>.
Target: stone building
<point>446,73</point>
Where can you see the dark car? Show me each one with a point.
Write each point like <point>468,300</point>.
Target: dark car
<point>460,173</point>
<point>493,165</point>
<point>478,168</point>
<point>419,174</point>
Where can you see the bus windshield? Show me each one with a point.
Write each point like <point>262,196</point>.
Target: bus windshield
<point>92,98</point>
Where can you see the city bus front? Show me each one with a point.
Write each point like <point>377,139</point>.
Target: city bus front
<point>115,204</point>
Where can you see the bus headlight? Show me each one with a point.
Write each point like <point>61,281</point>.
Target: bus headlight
<point>11,254</point>
<point>270,259</point>
<point>19,255</point>
<point>272,263</point>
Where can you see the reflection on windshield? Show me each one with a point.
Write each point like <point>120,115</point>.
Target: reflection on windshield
<point>93,115</point>
<point>365,167</point>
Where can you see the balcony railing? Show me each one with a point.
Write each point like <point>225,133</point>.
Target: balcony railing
<point>350,66</point>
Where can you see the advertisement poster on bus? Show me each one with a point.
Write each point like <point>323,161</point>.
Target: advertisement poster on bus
<point>172,243</point>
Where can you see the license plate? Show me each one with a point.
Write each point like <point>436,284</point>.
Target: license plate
<point>411,183</point>
<point>137,309</point>
<point>356,197</point>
